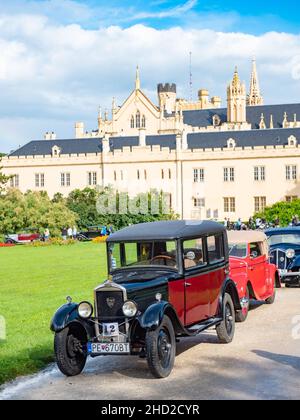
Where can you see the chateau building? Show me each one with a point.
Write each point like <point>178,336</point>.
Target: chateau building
<point>212,161</point>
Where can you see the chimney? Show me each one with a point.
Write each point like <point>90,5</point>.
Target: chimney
<point>79,130</point>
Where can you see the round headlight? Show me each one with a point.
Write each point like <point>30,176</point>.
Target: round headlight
<point>290,253</point>
<point>129,309</point>
<point>85,310</point>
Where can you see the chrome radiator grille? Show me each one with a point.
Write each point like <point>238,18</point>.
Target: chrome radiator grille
<point>279,258</point>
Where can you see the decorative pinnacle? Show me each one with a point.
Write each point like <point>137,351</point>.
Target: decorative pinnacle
<point>137,79</point>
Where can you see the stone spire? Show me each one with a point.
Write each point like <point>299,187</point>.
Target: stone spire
<point>137,79</point>
<point>254,97</point>
<point>236,100</point>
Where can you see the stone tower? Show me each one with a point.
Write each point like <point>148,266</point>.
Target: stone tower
<point>167,94</point>
<point>236,101</point>
<point>254,98</point>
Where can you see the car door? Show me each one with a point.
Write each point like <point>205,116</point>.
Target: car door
<point>196,281</point>
<point>257,270</point>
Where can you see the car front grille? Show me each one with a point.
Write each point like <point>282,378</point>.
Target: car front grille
<point>109,305</point>
<point>278,257</point>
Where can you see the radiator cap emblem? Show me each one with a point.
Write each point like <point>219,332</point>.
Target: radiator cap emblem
<point>111,302</point>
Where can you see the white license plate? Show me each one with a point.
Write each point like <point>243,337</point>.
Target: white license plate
<point>109,348</point>
<point>111,330</point>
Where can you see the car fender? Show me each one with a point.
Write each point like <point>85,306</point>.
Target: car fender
<point>153,316</point>
<point>230,288</point>
<point>64,315</point>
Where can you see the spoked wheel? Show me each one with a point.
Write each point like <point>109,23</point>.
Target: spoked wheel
<point>242,315</point>
<point>70,350</point>
<point>226,329</point>
<point>161,349</point>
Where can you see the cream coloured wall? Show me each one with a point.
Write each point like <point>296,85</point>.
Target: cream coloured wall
<point>120,169</point>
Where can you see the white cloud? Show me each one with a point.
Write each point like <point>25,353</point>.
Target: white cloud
<point>168,13</point>
<point>52,75</point>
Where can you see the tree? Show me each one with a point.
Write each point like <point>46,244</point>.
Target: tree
<point>33,210</point>
<point>126,211</point>
<point>3,178</point>
<point>282,210</point>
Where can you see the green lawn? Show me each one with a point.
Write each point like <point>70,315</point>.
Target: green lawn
<point>33,284</point>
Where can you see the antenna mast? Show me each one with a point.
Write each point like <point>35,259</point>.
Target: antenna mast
<point>191,78</point>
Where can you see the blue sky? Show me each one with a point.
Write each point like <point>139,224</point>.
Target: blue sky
<point>62,59</point>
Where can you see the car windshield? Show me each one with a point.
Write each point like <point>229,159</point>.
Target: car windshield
<point>288,238</point>
<point>141,254</point>
<point>238,250</point>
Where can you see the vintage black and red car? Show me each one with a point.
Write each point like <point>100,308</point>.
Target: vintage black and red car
<point>250,269</point>
<point>25,237</point>
<point>167,280</point>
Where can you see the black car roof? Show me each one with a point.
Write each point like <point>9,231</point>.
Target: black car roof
<point>282,231</point>
<point>167,230</point>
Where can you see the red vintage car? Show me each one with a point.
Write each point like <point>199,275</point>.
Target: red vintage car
<point>250,269</point>
<point>23,238</point>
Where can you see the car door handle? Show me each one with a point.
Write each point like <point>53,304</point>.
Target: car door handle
<point>188,284</point>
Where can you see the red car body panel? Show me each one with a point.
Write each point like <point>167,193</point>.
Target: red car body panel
<point>24,237</point>
<point>177,298</point>
<point>257,272</point>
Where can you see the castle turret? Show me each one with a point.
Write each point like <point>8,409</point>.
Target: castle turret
<point>236,100</point>
<point>167,94</point>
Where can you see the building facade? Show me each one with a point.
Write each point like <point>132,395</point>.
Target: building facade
<point>213,162</point>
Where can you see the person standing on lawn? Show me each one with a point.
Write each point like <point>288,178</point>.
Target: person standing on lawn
<point>64,233</point>
<point>74,232</point>
<point>47,235</point>
<point>70,233</point>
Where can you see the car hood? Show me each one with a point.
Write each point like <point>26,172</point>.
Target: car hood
<point>235,262</point>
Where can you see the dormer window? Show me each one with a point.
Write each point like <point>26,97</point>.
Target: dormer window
<point>292,141</point>
<point>216,121</point>
<point>56,151</point>
<point>231,144</point>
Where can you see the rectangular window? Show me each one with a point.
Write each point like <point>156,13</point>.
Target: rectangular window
<point>229,174</point>
<point>193,254</point>
<point>198,175</point>
<point>229,205</point>
<point>199,202</point>
<point>92,178</point>
<point>14,181</point>
<point>260,203</point>
<point>65,179</point>
<point>291,172</point>
<point>215,249</point>
<point>259,173</point>
<point>291,198</point>
<point>39,180</point>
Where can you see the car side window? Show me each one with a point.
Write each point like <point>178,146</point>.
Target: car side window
<point>215,249</point>
<point>193,254</point>
<point>255,250</point>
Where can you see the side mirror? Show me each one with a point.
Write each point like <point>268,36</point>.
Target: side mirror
<point>254,254</point>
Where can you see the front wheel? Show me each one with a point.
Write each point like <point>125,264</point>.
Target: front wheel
<point>70,350</point>
<point>161,349</point>
<point>226,329</point>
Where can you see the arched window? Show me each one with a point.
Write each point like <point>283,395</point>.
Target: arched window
<point>138,120</point>
<point>132,121</point>
<point>144,122</point>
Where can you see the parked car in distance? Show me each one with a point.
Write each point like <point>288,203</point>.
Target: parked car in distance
<point>250,269</point>
<point>167,280</point>
<point>285,253</point>
<point>23,238</point>
<point>91,233</point>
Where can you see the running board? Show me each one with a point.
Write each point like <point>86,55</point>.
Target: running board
<point>197,329</point>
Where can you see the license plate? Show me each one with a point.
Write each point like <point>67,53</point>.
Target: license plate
<point>111,330</point>
<point>109,348</point>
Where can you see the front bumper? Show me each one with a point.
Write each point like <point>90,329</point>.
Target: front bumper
<point>290,277</point>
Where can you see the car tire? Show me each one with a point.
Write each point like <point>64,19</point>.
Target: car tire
<point>161,349</point>
<point>226,329</point>
<point>69,361</point>
<point>242,315</point>
<point>272,298</point>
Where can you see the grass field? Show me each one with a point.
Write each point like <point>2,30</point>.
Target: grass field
<point>34,282</point>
